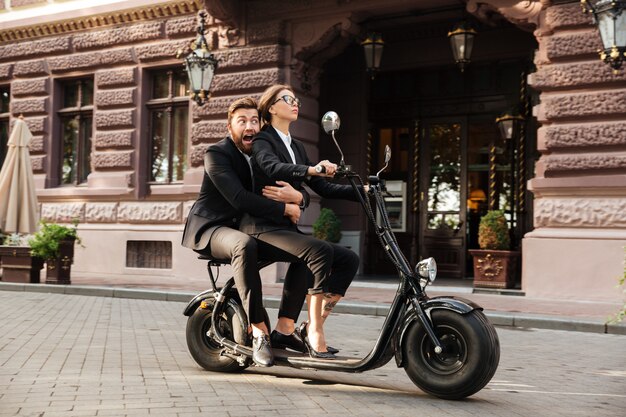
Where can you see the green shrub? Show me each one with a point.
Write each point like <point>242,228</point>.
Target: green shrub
<point>45,243</point>
<point>327,226</point>
<point>493,232</point>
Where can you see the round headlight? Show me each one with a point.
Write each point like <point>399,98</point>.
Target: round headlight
<point>427,269</point>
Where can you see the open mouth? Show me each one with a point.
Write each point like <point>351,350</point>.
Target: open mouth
<point>247,139</point>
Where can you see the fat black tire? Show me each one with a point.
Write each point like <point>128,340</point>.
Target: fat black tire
<point>471,352</point>
<point>205,351</point>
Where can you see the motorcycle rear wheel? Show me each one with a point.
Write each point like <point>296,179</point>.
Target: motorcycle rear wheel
<point>470,357</point>
<point>207,352</point>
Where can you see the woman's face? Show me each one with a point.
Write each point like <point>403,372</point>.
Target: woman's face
<point>286,106</point>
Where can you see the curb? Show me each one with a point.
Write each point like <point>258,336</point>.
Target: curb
<point>498,318</point>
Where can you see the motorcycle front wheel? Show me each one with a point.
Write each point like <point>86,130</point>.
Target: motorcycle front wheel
<point>206,351</point>
<point>470,357</point>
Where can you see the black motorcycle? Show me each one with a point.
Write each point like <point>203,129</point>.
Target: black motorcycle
<point>446,344</point>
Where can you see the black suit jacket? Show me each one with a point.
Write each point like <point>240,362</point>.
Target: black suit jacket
<point>271,162</point>
<point>226,194</point>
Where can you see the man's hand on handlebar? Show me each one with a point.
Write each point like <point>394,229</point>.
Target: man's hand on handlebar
<point>324,168</point>
<point>282,192</point>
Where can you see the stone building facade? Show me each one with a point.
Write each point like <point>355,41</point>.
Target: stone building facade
<point>119,52</point>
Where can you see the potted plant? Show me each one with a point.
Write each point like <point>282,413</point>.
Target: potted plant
<point>327,226</point>
<point>55,244</point>
<point>494,263</point>
<point>18,265</point>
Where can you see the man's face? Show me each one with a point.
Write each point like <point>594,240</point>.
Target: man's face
<point>242,127</point>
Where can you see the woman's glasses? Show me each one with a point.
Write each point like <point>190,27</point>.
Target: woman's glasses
<point>292,101</point>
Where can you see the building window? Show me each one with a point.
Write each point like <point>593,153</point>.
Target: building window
<point>76,118</point>
<point>168,111</point>
<point>4,121</point>
<point>149,254</point>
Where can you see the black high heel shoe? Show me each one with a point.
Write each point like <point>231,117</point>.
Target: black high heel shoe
<point>328,348</point>
<point>312,352</point>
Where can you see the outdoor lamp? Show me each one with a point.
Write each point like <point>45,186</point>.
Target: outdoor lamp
<point>508,124</point>
<point>200,65</point>
<point>373,47</point>
<point>611,20</point>
<point>462,40</point>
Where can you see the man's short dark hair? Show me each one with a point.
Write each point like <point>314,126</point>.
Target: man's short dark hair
<point>241,103</point>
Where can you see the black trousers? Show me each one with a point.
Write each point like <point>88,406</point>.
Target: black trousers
<point>245,253</point>
<point>333,267</point>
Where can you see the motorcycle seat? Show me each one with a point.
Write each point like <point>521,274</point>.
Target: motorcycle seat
<point>214,261</point>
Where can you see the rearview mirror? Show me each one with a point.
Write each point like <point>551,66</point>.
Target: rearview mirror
<point>330,122</point>
<point>387,154</point>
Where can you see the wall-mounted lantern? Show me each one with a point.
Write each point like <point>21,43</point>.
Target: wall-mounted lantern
<point>200,65</point>
<point>373,47</point>
<point>509,124</point>
<point>462,41</point>
<point>610,18</point>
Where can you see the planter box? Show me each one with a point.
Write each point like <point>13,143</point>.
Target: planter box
<point>58,270</point>
<point>19,266</point>
<point>494,268</point>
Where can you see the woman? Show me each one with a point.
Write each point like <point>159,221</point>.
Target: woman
<point>277,157</point>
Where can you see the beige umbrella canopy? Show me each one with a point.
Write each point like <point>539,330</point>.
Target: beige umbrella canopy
<point>18,199</point>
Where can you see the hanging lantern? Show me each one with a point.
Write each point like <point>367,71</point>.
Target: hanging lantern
<point>462,42</point>
<point>509,124</point>
<point>610,18</point>
<point>373,47</point>
<point>200,65</point>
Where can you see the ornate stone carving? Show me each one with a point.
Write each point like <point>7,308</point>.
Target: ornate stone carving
<point>182,26</point>
<point>118,77</point>
<point>38,163</point>
<point>112,119</point>
<point>101,212</point>
<point>148,212</point>
<point>119,139</point>
<point>266,32</point>
<point>31,68</point>
<point>91,59</point>
<point>29,106</point>
<point>112,98</point>
<point>119,36</point>
<point>580,212</point>
<point>197,154</point>
<point>160,50</point>
<point>36,124</point>
<point>30,87</point>
<point>254,79</point>
<point>584,162</point>
<point>35,48</point>
<point>63,212</point>
<point>5,71</point>
<point>187,208</point>
<point>584,135</point>
<point>36,144</point>
<point>120,159</point>
<point>228,37</point>
<point>573,44</point>
<point>228,11</point>
<point>586,104</point>
<point>573,75</point>
<point>567,15</point>
<point>525,14</point>
<point>208,131</point>
<point>20,3</point>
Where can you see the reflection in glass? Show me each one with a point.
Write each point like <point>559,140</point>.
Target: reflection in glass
<point>160,85</point>
<point>84,167</point>
<point>179,144</point>
<point>4,100</point>
<point>87,92</point>
<point>181,84</point>
<point>70,149</point>
<point>160,146</point>
<point>444,193</point>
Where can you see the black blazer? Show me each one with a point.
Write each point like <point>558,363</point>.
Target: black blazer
<point>271,162</point>
<point>226,194</point>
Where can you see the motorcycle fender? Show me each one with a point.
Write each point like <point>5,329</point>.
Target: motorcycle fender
<point>195,301</point>
<point>459,305</point>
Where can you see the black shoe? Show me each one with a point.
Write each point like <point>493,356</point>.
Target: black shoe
<point>312,352</point>
<point>261,352</point>
<point>328,348</point>
<point>292,341</point>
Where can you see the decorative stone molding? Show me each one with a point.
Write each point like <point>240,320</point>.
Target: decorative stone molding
<point>20,3</point>
<point>5,71</point>
<point>116,78</point>
<point>197,154</point>
<point>228,37</point>
<point>36,124</point>
<point>160,50</point>
<point>36,145</point>
<point>31,68</point>
<point>129,34</point>
<point>580,212</point>
<point>113,98</point>
<point>260,55</point>
<point>146,13</point>
<point>101,212</point>
<point>30,87</point>
<point>148,212</point>
<point>573,44</point>
<point>183,26</point>
<point>225,10</point>
<point>525,14</point>
<point>187,208</point>
<point>63,212</point>
<point>91,59</point>
<point>252,80</point>
<point>586,104</point>
<point>38,163</point>
<point>35,48</point>
<point>266,32</point>
<point>567,15</point>
<point>584,135</point>
<point>581,162</point>
<point>573,75</point>
<point>115,119</point>
<point>119,139</point>
<point>29,106</point>
<point>104,160</point>
<point>208,131</point>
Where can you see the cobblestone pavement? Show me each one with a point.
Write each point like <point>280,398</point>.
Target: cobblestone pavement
<point>67,355</point>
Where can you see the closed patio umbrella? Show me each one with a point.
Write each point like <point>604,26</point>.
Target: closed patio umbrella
<point>18,199</point>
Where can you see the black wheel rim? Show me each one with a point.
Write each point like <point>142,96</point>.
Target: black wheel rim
<point>454,354</point>
<point>225,330</point>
